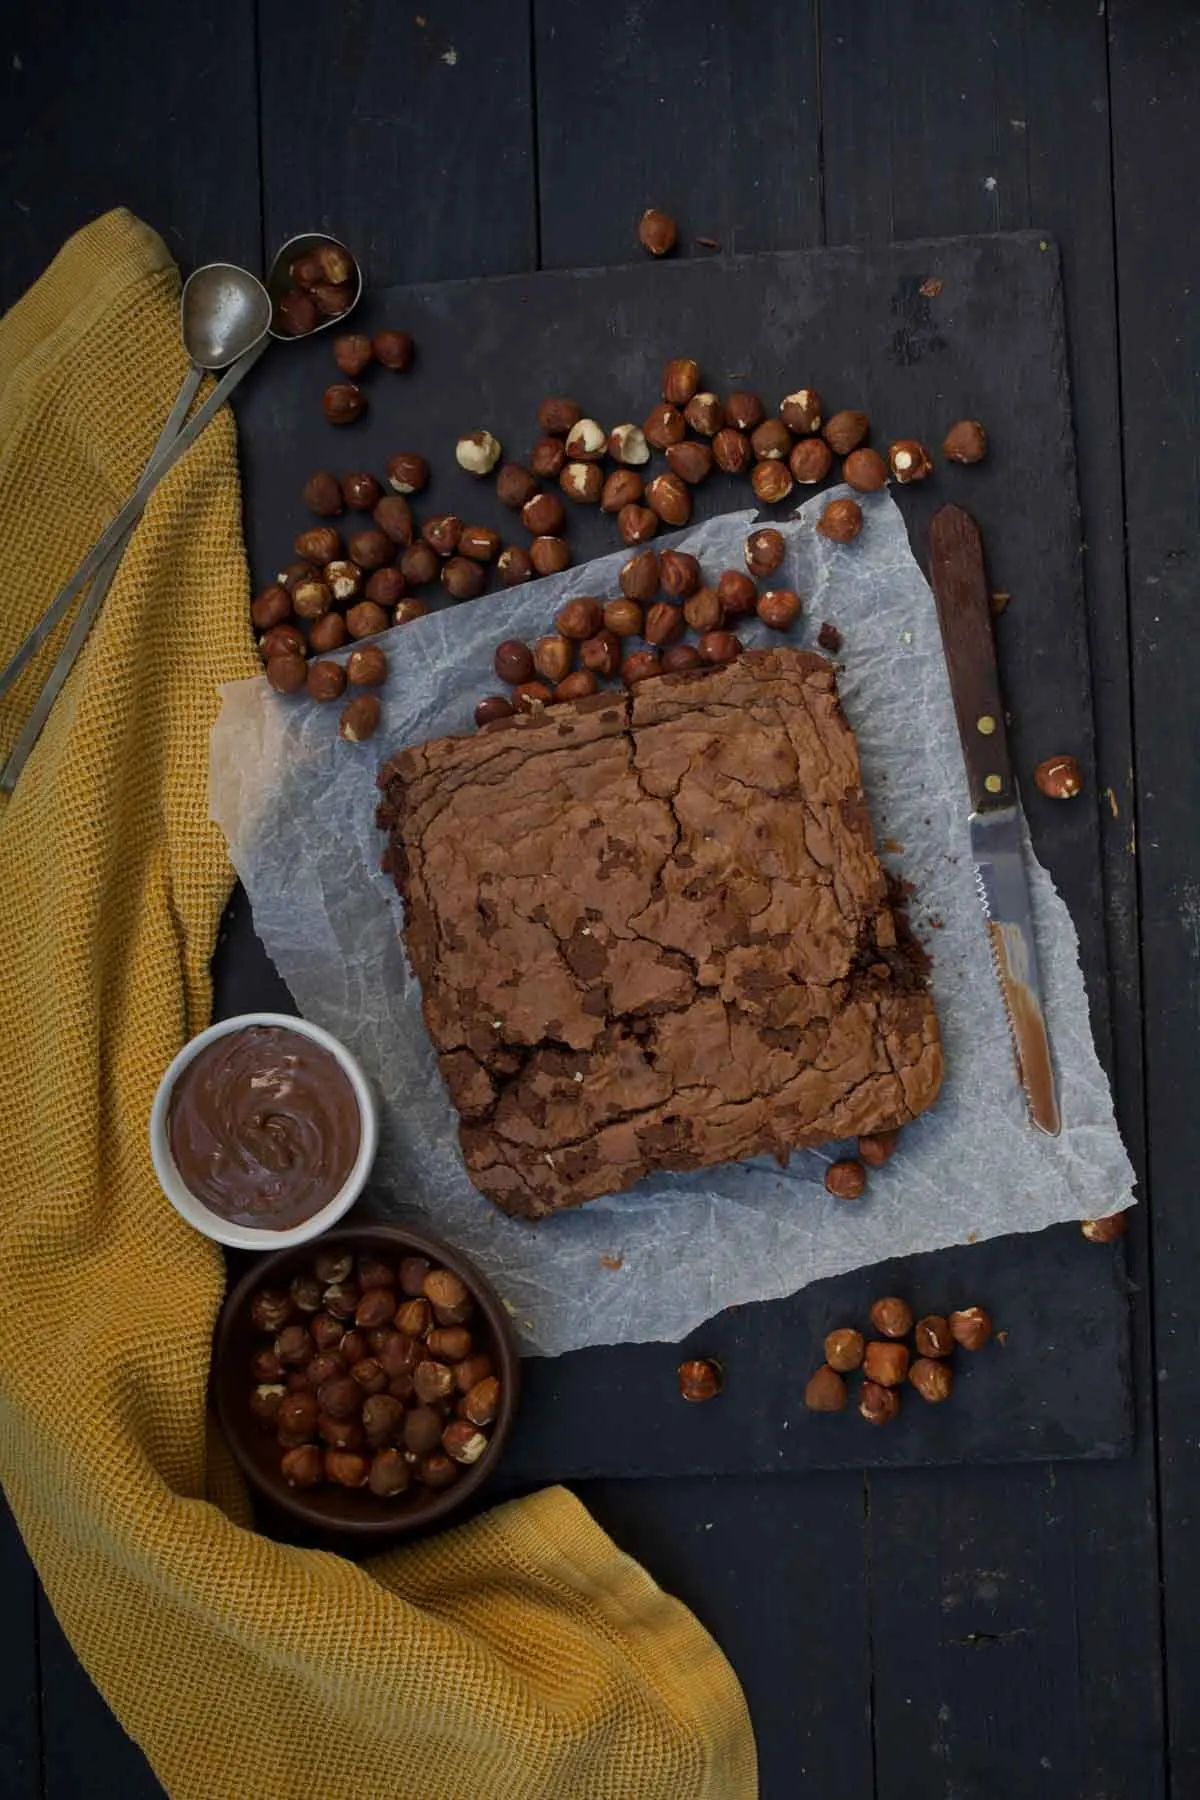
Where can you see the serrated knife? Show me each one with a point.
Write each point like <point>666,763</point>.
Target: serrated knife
<point>964,611</point>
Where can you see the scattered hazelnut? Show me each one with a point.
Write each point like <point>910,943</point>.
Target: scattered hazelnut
<point>407,473</point>
<point>303,1466</point>
<point>352,352</point>
<point>622,488</point>
<point>337,264</point>
<point>314,597</point>
<point>764,550</point>
<point>419,564</point>
<point>325,681</point>
<point>366,666</point>
<point>582,482</point>
<point>678,659</point>
<point>844,1350</point>
<point>636,524</point>
<point>965,442</point>
<point>601,654</point>
<point>1059,777</point>
<point>343,403</point>
<point>550,555</point>
<point>333,298</point>
<point>692,462</point>
<point>532,696</point>
<point>719,647</point>
<point>846,431</point>
<point>319,545</point>
<point>664,624</point>
<point>480,543</point>
<point>933,1380</point>
<point>892,1316</point>
<point>408,610</point>
<point>811,461</point>
<point>360,719</point>
<point>736,592</point>
<point>801,411</point>
<point>826,1391</point>
<point>579,618</point>
<point>296,314</point>
<point>477,453</point>
<point>656,232</point>
<point>389,1473</point>
<point>556,415</point>
<point>627,444</point>
<point>281,640</point>
<point>703,610</point>
<point>372,549</point>
<point>442,533</point>
<point>866,471</point>
<point>779,608</point>
<point>513,661</point>
<point>933,1336</point>
<point>576,686</point>
<point>878,1405</point>
<point>322,494</point>
<point>909,461</point>
<point>291,577</point>
<point>846,1180</point>
<point>552,657</point>
<point>971,1327</point>
<point>743,411</point>
<point>366,619</point>
<point>394,349</point>
<point>271,607</point>
<point>543,513</point>
<point>679,573</point>
<point>841,521</point>
<point>287,672</point>
<point>771,440</point>
<point>640,665</point>
<point>705,414</point>
<point>515,485</point>
<point>306,271</point>
<point>493,707</point>
<point>513,566</point>
<point>731,451</point>
<point>772,482</point>
<point>885,1363</point>
<point>700,1379</point>
<point>547,457</point>
<point>681,379</point>
<point>880,1147</point>
<point>385,586</point>
<point>623,618</point>
<point>344,579</point>
<point>586,441</point>
<point>639,577</point>
<point>1096,1231</point>
<point>668,497</point>
<point>664,425</point>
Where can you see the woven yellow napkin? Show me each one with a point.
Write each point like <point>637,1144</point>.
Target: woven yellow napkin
<point>519,1656</point>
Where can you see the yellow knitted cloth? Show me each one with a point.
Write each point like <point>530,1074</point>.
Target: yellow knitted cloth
<point>521,1655</point>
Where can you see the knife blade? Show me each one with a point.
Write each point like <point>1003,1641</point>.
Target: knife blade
<point>960,591</point>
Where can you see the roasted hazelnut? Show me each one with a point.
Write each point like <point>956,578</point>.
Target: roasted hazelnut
<point>265,1366</point>
<point>779,608</point>
<point>1059,777</point>
<point>586,441</point>
<point>345,1468</point>
<point>639,577</point>
<point>332,1266</point>
<point>373,548</point>
<point>366,667</point>
<point>343,403</point>
<point>764,550</point>
<point>636,524</point>
<point>341,1299</point>
<point>325,681</point>
<point>394,349</point>
<point>394,521</point>
<point>622,488</point>
<point>493,707</point>
<point>909,461</point>
<point>449,1343</point>
<point>481,1402</point>
<point>663,426</point>
<point>810,461</point>
<point>358,489</point>
<point>668,497</point>
<point>933,1380</point>
<point>656,232</point>
<point>886,1363</point>
<point>703,610</point>
<point>385,586</point>
<point>692,462</point>
<point>296,572</point>
<point>326,1365</point>
<point>736,592</point>
<point>478,452</point>
<point>337,264</point>
<point>623,617</point>
<point>341,1398</point>
<point>1097,1231</point>
<point>515,485</point>
<point>303,1466</point>
<point>306,271</point>
<point>463,1441</point>
<point>449,1297</point>
<point>743,411</point>
<point>377,1307</point>
<point>552,657</point>
<point>354,1345</point>
<point>399,1355</point>
<point>627,444</point>
<point>865,470</point>
<point>463,579</point>
<point>513,566</point>
<point>407,473</point>
<point>801,411</point>
<point>327,633</point>
<point>366,619</point>
<point>556,415</point>
<point>340,1434</point>
<point>419,564</point>
<point>389,1474</point>
<point>271,607</point>
<point>972,1327</point>
<point>601,654</point>
<point>281,640</point>
<point>700,1379</point>
<point>772,482</point>
<point>933,1336</point>
<point>266,1401</point>
<point>408,610</point>
<point>442,533</point>
<point>547,457</point>
<point>513,662</point>
<point>298,1414</point>
<point>287,672</point>
<point>705,414</point>
<point>582,482</point>
<point>965,442</point>
<point>579,618</point>
<point>296,314</point>
<point>846,1180</point>
<point>771,441</point>
<point>422,1428</point>
<point>322,493</point>
<point>640,665</point>
<point>576,686</point>
<point>731,451</point>
<point>677,659</point>
<point>844,1350</point>
<point>543,513</point>
<point>314,597</point>
<point>432,1381</point>
<point>681,379</point>
<point>878,1148</point>
<point>878,1405</point>
<point>892,1316</point>
<point>841,521</point>
<point>320,544</point>
<point>352,352</point>
<point>825,1391</point>
<point>679,573</point>
<point>846,431</point>
<point>718,647</point>
<point>550,555</point>
<point>360,719</point>
<point>664,624</point>
<point>532,696</point>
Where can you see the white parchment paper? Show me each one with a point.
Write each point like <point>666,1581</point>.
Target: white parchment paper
<point>297,807</point>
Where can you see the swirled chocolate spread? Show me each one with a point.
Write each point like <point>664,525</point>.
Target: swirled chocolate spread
<point>264,1127</point>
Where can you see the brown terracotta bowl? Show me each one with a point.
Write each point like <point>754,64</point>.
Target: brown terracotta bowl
<point>352,1510</point>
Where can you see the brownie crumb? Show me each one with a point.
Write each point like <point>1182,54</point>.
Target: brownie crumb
<point>829,638</point>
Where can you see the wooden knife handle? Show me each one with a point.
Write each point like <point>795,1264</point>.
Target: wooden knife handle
<point>965,616</point>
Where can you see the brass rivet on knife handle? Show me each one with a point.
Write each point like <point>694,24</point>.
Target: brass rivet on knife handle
<point>963,600</point>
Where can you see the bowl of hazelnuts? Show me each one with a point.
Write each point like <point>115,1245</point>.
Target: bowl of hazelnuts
<point>366,1381</point>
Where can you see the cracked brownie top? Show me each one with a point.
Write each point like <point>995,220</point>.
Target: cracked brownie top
<point>652,932</point>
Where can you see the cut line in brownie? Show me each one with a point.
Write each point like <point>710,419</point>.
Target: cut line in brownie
<point>652,932</point>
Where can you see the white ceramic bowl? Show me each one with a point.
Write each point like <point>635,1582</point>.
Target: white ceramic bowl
<point>251,1237</point>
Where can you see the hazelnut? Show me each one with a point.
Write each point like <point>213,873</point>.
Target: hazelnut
<point>885,1363</point>
<point>972,1327</point>
<point>394,349</point>
<point>681,379</point>
<point>601,654</point>
<point>1096,1231</point>
<point>377,1307</point>
<point>352,352</point>
<point>287,672</point>
<point>419,564</point>
<point>332,1266</point>
<point>324,1366</point>
<point>656,232</point>
<point>281,640</point>
<point>266,1402</point>
<point>354,1346</point>
<point>909,461</point>
<point>779,608</point>
<point>668,497</point>
<point>341,1397</point>
<point>481,1402</point>
<point>463,579</point>
<point>532,696</point>
<point>306,271</point>
<point>933,1336</point>
<point>639,576</point>
<point>291,577</point>
<point>866,471</point>
<point>556,415</point>
<point>825,1391</point>
<point>463,1441</point>
<point>801,411</point>
<point>366,619</point>
<point>345,1468</point>
<point>703,610</point>
<point>664,624</point>
<point>576,686</point>
<point>322,493</point>
<point>705,414</point>
<point>700,1379</point>
<point>314,597</point>
<point>586,441</point>
<point>319,545</point>
<point>622,488</point>
<point>303,1466</point>
<point>743,411</point>
<point>878,1405</point>
<point>844,1349</point>
<point>341,1299</point>
<point>407,473</point>
<point>636,524</point>
<point>550,555</point>
<point>640,665</point>
<point>679,573</point>
<point>764,550</point>
<point>513,662</point>
<point>933,1380</point>
<point>265,1366</point>
<point>736,592</point>
<point>333,298</point>
<point>493,707</point>
<point>422,1429</point>
<point>369,1373</point>
<point>892,1316</point>
<point>678,659</point>
<point>841,521</point>
<point>389,1473</point>
<point>408,610</point>
<point>385,586</point>
<point>513,566</point>
<point>399,1355</point>
<point>878,1148</point>
<point>393,517</point>
<point>718,647</point>
<point>337,264</point>
<point>623,618</point>
<point>846,1180</point>
<point>846,431</point>
<point>579,618</point>
<point>771,440</point>
<point>360,719</point>
<point>372,549</point>
<point>271,607</point>
<point>772,482</point>
<point>437,1471</point>
<point>692,462</point>
<point>477,453</point>
<point>965,442</point>
<point>547,457</point>
<point>664,425</point>
<point>325,681</point>
<point>374,1271</point>
<point>343,403</point>
<point>432,1381</point>
<point>442,533</point>
<point>731,451</point>
<point>552,657</point>
<point>515,485</point>
<point>582,482</point>
<point>366,667</point>
<point>344,579</point>
<point>327,633</point>
<point>627,444</point>
<point>543,513</point>
<point>296,314</point>
<point>449,1343</point>
<point>811,461</point>
<point>480,543</point>
<point>1059,777</point>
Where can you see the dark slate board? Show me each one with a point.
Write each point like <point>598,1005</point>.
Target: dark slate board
<point>855,324</point>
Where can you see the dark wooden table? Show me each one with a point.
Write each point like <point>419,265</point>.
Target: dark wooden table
<point>981,1634</point>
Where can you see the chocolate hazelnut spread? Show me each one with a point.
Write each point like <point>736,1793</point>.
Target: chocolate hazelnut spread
<point>264,1127</point>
